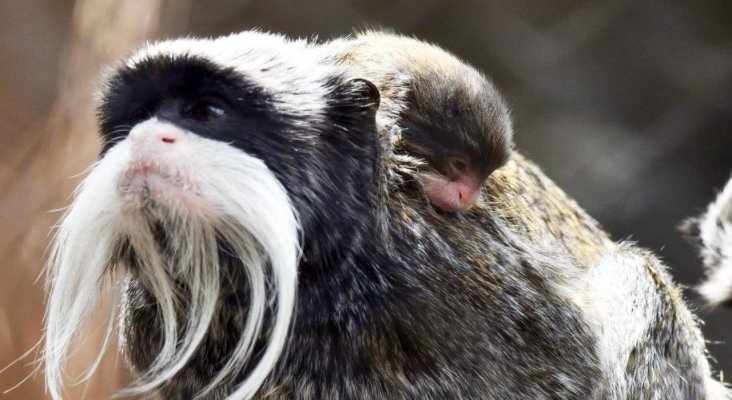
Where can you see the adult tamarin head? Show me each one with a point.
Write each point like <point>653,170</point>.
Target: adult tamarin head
<point>219,156</point>
<point>449,114</point>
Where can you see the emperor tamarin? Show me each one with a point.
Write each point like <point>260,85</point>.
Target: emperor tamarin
<point>268,240</point>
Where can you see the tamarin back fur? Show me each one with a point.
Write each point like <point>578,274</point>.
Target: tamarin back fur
<point>638,322</point>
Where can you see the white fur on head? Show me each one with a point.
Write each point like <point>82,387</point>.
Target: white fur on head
<point>199,191</point>
<point>715,232</point>
<point>259,56</point>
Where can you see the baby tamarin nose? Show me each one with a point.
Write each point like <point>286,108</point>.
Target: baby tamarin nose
<point>457,190</point>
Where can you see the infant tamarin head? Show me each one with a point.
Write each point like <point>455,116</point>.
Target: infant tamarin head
<point>217,154</point>
<point>450,115</point>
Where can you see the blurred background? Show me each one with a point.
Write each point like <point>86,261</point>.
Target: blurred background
<point>626,104</point>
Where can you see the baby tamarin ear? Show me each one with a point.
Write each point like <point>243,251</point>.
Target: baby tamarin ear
<point>449,114</point>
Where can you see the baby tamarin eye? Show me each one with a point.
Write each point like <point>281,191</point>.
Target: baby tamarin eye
<point>458,166</point>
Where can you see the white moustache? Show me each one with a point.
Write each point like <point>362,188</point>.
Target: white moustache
<point>199,191</point>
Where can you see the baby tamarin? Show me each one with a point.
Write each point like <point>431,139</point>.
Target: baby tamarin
<point>449,114</point>
<point>238,208</point>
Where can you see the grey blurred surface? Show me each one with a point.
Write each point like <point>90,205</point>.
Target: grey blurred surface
<point>627,105</point>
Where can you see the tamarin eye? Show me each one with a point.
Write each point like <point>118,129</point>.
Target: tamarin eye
<point>459,165</point>
<point>138,114</point>
<point>205,109</point>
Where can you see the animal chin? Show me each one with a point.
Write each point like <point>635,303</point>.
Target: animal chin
<point>144,186</point>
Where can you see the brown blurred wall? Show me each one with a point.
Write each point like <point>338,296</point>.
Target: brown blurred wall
<point>52,55</point>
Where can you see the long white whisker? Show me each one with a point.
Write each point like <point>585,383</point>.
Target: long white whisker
<point>242,207</point>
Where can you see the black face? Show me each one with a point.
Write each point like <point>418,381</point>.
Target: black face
<point>457,122</point>
<point>191,93</point>
<point>327,162</point>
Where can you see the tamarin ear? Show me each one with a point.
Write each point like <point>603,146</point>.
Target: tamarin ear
<point>367,95</point>
<point>354,103</point>
<point>365,91</point>
<point>356,98</point>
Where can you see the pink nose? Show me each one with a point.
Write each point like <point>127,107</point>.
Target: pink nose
<point>165,136</point>
<point>156,133</point>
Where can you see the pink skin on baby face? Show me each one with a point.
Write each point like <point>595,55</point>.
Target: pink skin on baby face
<point>456,191</point>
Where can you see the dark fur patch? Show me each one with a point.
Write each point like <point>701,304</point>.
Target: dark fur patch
<point>145,87</point>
